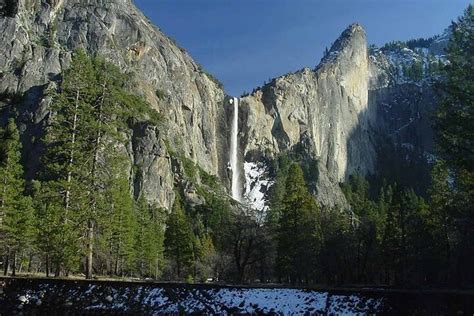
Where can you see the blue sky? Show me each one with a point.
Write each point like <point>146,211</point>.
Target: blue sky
<point>246,42</point>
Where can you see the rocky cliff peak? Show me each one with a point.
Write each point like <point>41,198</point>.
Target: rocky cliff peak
<point>353,36</point>
<point>324,112</point>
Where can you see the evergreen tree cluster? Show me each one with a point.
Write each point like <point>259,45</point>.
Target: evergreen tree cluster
<point>391,239</point>
<point>410,44</point>
<point>81,216</point>
<point>454,174</point>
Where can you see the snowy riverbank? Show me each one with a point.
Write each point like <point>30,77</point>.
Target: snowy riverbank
<point>60,296</point>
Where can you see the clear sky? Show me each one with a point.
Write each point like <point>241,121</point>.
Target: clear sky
<point>245,42</point>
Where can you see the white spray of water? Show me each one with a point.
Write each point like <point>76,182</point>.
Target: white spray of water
<point>234,149</point>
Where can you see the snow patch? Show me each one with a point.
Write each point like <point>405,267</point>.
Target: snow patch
<point>257,183</point>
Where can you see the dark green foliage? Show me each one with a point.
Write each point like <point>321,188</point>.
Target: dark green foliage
<point>407,167</point>
<point>405,239</point>
<point>16,211</point>
<point>336,267</point>
<point>420,42</point>
<point>280,169</point>
<point>150,238</point>
<point>206,257</point>
<point>179,239</point>
<point>455,131</point>
<point>453,184</point>
<point>411,44</point>
<point>73,141</point>
<point>282,166</point>
<point>394,45</point>
<point>11,98</point>
<point>397,240</point>
<point>91,114</point>
<point>367,228</point>
<point>190,168</point>
<point>57,239</point>
<point>209,180</point>
<point>9,8</point>
<point>414,71</point>
<point>120,225</point>
<point>435,66</point>
<point>297,226</point>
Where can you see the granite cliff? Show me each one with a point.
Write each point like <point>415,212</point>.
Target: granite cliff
<point>325,110</point>
<point>37,39</point>
<point>334,114</point>
<point>343,112</point>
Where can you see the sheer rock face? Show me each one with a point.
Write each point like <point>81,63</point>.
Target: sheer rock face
<point>37,38</point>
<point>332,114</point>
<point>326,110</point>
<point>339,112</point>
<point>405,107</point>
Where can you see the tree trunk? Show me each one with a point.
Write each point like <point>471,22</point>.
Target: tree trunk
<point>178,264</point>
<point>30,262</point>
<point>6,263</point>
<point>57,272</point>
<point>14,263</point>
<point>90,237</point>
<point>47,266</point>
<point>71,155</point>
<point>90,224</point>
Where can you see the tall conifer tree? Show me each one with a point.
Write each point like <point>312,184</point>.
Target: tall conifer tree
<point>179,240</point>
<point>16,212</point>
<point>297,229</point>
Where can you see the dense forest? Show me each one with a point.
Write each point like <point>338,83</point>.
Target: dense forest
<point>79,215</point>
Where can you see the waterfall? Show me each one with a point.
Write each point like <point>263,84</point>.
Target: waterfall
<point>234,151</point>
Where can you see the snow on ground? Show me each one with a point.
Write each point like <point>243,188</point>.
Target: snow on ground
<point>284,301</point>
<point>400,59</point>
<point>257,183</point>
<point>188,299</point>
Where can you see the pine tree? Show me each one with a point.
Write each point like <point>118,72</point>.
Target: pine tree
<point>121,223</point>
<point>150,239</point>
<point>416,238</point>
<point>16,213</point>
<point>89,119</point>
<point>442,196</point>
<point>455,135</point>
<point>56,239</point>
<point>63,194</point>
<point>179,239</point>
<point>367,227</point>
<point>453,124</point>
<point>391,244</point>
<point>336,232</point>
<point>297,229</point>
<point>278,191</point>
<point>207,256</point>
